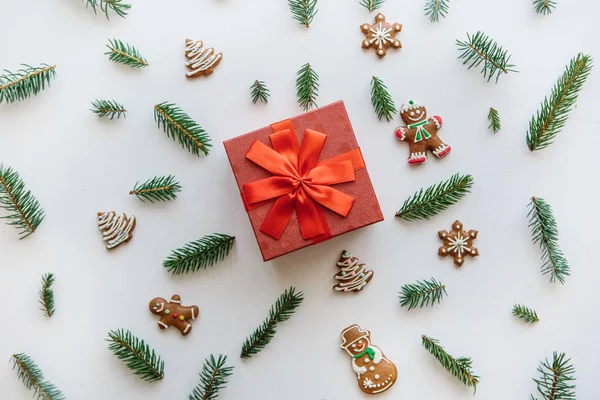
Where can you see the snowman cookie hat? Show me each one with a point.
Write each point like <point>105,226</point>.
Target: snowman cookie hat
<point>352,334</point>
<point>410,105</point>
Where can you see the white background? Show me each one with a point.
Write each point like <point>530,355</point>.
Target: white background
<point>77,164</point>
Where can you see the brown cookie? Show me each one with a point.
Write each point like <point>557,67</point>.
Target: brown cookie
<point>172,313</point>
<point>116,229</point>
<point>458,243</point>
<point>381,35</point>
<point>353,276</point>
<point>201,60</point>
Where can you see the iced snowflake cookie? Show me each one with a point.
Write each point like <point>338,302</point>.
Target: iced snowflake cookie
<point>353,276</point>
<point>374,372</point>
<point>201,60</point>
<point>458,243</point>
<point>172,313</point>
<point>116,229</point>
<point>381,35</point>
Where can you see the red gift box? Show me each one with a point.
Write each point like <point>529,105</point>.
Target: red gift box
<point>303,180</point>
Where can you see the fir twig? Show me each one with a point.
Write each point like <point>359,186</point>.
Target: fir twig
<point>136,355</point>
<point>494,119</point>
<point>459,367</point>
<point>33,378</point>
<point>436,198</point>
<point>25,212</point>
<point>303,11</point>
<point>544,6</point>
<point>26,82</point>
<point>124,53</point>
<point>259,91</point>
<point>480,48</point>
<point>435,9</point>
<point>115,5</point>
<point>525,313</point>
<point>199,254</point>
<point>422,293</point>
<point>372,5</point>
<point>307,87</point>
<point>281,311</point>
<point>544,231</point>
<point>108,108</point>
<point>213,378</point>
<point>180,127</point>
<point>556,382</point>
<point>554,111</point>
<point>47,295</point>
<point>382,100</point>
<point>159,188</point>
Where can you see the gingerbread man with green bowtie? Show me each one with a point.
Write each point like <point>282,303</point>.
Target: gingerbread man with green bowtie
<point>172,313</point>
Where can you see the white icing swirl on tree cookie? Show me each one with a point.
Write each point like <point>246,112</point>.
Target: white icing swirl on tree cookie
<point>353,276</point>
<point>201,59</point>
<point>115,229</point>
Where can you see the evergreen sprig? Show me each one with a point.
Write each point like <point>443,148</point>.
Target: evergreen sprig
<point>136,355</point>
<point>554,111</point>
<point>159,188</point>
<point>544,6</point>
<point>281,311</point>
<point>494,119</point>
<point>47,295</point>
<point>435,9</point>
<point>105,5</point>
<point>213,378</point>
<point>25,82</point>
<point>180,127</point>
<point>303,11</point>
<point>556,381</point>
<point>199,254</point>
<point>459,367</point>
<point>372,5</point>
<point>25,212</point>
<point>382,100</point>
<point>124,53</point>
<point>108,108</point>
<point>422,293</point>
<point>33,378</point>
<point>545,232</point>
<point>307,87</point>
<point>260,91</point>
<point>480,48</point>
<point>525,313</point>
<point>436,198</point>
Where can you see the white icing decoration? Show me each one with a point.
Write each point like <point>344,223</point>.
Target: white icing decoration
<point>358,370</point>
<point>459,244</point>
<point>381,35</point>
<point>407,106</point>
<point>378,355</point>
<point>165,325</point>
<point>200,59</point>
<point>159,309</point>
<point>419,155</point>
<point>367,360</point>
<point>116,229</point>
<point>376,376</point>
<point>187,328</point>
<point>193,313</point>
<point>353,276</point>
<point>371,368</point>
<point>441,148</point>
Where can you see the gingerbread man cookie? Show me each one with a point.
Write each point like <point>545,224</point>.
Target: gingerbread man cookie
<point>174,314</point>
<point>458,243</point>
<point>420,133</point>
<point>381,35</point>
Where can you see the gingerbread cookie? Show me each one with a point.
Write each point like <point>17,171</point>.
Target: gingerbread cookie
<point>381,35</point>
<point>174,314</point>
<point>374,372</point>
<point>353,276</point>
<point>458,243</point>
<point>420,133</point>
<point>201,61</point>
<point>116,229</point>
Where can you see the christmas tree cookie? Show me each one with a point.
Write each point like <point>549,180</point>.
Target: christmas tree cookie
<point>353,276</point>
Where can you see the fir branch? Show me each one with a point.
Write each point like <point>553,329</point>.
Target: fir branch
<point>436,198</point>
<point>372,5</point>
<point>33,378</point>
<point>422,293</point>
<point>259,91</point>
<point>303,11</point>
<point>124,53</point>
<point>115,5</point>
<point>213,378</point>
<point>544,6</point>
<point>199,254</point>
<point>459,367</point>
<point>556,380</point>
<point>554,111</point>
<point>159,188</point>
<point>47,295</point>
<point>26,82</point>
<point>110,108</point>
<point>478,49</point>
<point>435,9</point>
<point>494,119</point>
<point>307,87</point>
<point>25,212</point>
<point>525,313</point>
<point>136,355</point>
<point>281,311</point>
<point>382,100</point>
<point>180,127</point>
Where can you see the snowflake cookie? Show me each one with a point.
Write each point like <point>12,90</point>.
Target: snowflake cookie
<point>458,243</point>
<point>381,35</point>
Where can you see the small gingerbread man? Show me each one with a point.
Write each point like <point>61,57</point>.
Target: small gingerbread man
<point>174,314</point>
<point>420,133</point>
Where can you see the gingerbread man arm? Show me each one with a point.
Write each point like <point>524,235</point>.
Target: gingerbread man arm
<point>163,323</point>
<point>437,120</point>
<point>403,133</point>
<point>190,312</point>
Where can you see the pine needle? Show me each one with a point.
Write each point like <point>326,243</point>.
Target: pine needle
<point>199,254</point>
<point>544,7</point>
<point>180,127</point>
<point>33,378</point>
<point>435,9</point>
<point>259,91</point>
<point>124,53</point>
<point>25,212</point>
<point>382,100</point>
<point>26,82</point>
<point>436,198</point>
<point>525,313</point>
<point>213,378</point>
<point>545,232</point>
<point>108,108</point>
<point>303,11</point>
<point>459,367</point>
<point>422,293</point>
<point>494,119</point>
<point>307,87</point>
<point>372,5</point>
<point>47,295</point>
<point>554,111</point>
<point>105,5</point>
<point>136,355</point>
<point>556,380</point>
<point>281,311</point>
<point>478,49</point>
<point>159,188</point>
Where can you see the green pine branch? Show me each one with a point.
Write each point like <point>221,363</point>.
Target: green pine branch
<point>435,9</point>
<point>307,87</point>
<point>25,212</point>
<point>159,188</point>
<point>481,49</point>
<point>459,367</point>
<point>436,198</point>
<point>105,5</point>
<point>259,91</point>
<point>33,378</point>
<point>281,311</point>
<point>180,127</point>
<point>199,254</point>
<point>382,100</point>
<point>545,232</point>
<point>124,53</point>
<point>372,5</point>
<point>26,82</point>
<point>422,293</point>
<point>47,295</point>
<point>303,11</point>
<point>525,313</point>
<point>213,378</point>
<point>554,111</point>
<point>494,119</point>
<point>108,108</point>
<point>136,355</point>
<point>556,381</point>
<point>544,6</point>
